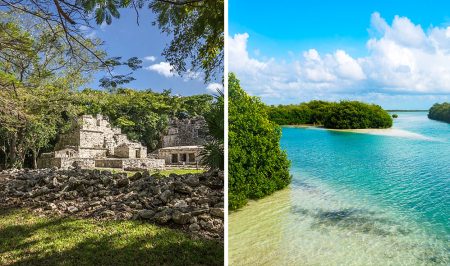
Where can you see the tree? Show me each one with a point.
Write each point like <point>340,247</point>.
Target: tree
<point>340,115</point>
<point>213,154</point>
<point>257,165</point>
<point>36,80</point>
<point>440,112</point>
<point>196,27</point>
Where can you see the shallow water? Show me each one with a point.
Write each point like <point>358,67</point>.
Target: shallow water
<point>355,199</point>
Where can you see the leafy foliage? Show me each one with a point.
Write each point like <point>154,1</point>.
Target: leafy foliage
<point>341,115</point>
<point>440,112</point>
<point>257,165</point>
<point>213,154</point>
<point>197,28</point>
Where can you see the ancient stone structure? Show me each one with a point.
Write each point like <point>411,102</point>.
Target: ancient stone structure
<point>183,143</point>
<point>186,132</point>
<point>181,155</point>
<point>93,142</point>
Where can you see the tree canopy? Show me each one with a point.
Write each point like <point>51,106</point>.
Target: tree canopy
<point>31,122</point>
<point>196,28</point>
<point>440,112</point>
<point>338,115</point>
<point>257,165</point>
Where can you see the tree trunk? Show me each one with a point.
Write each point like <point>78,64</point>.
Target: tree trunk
<point>34,159</point>
<point>13,150</point>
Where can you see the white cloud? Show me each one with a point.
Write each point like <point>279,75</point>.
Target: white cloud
<point>214,87</point>
<point>239,55</point>
<point>401,58</point>
<point>88,32</point>
<point>162,68</point>
<point>150,58</point>
<point>191,75</point>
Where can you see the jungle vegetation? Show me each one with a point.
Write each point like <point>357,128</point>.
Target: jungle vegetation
<point>46,61</point>
<point>257,166</point>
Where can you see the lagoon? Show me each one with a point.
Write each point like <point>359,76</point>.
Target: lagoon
<point>357,198</point>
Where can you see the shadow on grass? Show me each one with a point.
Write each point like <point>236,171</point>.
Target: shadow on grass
<point>28,240</point>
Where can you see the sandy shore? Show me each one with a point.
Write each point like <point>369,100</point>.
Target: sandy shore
<point>392,132</point>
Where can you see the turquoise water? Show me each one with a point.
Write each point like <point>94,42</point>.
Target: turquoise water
<point>356,199</point>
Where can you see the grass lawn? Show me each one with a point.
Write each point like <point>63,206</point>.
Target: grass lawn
<point>26,239</point>
<point>181,171</point>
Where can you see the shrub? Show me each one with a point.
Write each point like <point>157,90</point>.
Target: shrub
<point>354,114</point>
<point>440,112</point>
<point>395,116</point>
<point>257,165</point>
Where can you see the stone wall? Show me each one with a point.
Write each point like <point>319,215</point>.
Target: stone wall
<point>92,152</point>
<point>131,164</point>
<point>92,139</point>
<point>192,202</point>
<point>109,163</point>
<point>66,163</point>
<point>186,132</point>
<point>183,155</point>
<point>139,164</point>
<point>124,151</point>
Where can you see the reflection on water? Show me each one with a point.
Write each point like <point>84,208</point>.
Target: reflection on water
<point>355,199</point>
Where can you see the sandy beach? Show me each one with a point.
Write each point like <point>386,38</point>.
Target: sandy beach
<point>392,132</point>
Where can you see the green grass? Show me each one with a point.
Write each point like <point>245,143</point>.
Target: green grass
<point>26,239</point>
<point>181,171</point>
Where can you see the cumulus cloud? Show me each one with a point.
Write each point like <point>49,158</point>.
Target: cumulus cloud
<point>162,68</point>
<point>213,87</point>
<point>402,58</point>
<point>150,58</point>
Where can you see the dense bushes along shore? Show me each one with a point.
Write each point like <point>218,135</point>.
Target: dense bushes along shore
<point>338,115</point>
<point>257,165</point>
<point>440,112</point>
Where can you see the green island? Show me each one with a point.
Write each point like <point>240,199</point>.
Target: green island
<point>333,115</point>
<point>440,112</point>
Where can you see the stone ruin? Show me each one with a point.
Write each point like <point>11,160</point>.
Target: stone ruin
<point>184,141</point>
<point>186,132</point>
<point>191,202</point>
<point>93,142</point>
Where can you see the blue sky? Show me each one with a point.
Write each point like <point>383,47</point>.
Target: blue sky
<point>126,39</point>
<point>393,53</point>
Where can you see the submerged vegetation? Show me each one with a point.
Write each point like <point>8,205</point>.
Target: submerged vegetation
<point>337,115</point>
<point>440,112</point>
<point>257,165</point>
